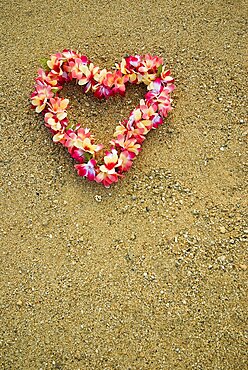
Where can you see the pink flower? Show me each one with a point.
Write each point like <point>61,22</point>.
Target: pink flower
<point>147,112</point>
<point>52,121</point>
<point>77,68</point>
<point>87,146</point>
<point>102,92</point>
<point>156,86</point>
<point>40,97</point>
<point>166,77</point>
<point>103,87</point>
<point>149,68</point>
<point>106,179</point>
<point>135,116</point>
<point>161,83</point>
<point>130,64</point>
<point>46,78</point>
<point>71,136</point>
<point>163,103</point>
<point>107,174</point>
<point>157,120</point>
<point>57,106</point>
<point>87,169</point>
<point>126,161</point>
<point>136,130</point>
<point>111,161</point>
<point>140,129</point>
<point>81,140</point>
<point>77,154</point>
<point>59,137</point>
<point>89,73</point>
<point>84,133</point>
<point>121,129</point>
<point>150,63</point>
<point>147,78</point>
<point>69,54</point>
<point>55,64</point>
<point>78,143</point>
<point>131,145</point>
<point>145,125</point>
<point>119,83</point>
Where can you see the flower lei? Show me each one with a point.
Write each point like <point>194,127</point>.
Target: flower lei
<point>129,134</point>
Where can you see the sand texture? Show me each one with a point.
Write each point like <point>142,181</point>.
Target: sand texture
<point>151,273</point>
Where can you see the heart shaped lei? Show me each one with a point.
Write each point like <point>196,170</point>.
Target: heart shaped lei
<point>94,164</point>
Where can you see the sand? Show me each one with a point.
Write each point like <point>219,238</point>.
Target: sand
<point>151,273</point>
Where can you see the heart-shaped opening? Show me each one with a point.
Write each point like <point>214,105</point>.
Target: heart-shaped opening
<point>100,115</point>
<point>95,162</point>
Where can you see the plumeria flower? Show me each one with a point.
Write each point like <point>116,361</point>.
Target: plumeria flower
<point>59,56</point>
<point>103,87</point>
<point>72,66</point>
<point>166,77</point>
<point>87,146</point>
<point>119,83</point>
<point>135,78</point>
<point>69,54</point>
<point>147,78</point>
<point>81,140</point>
<point>150,63</point>
<point>142,128</point>
<point>129,66</point>
<point>71,136</point>
<point>147,112</point>
<point>87,169</point>
<point>155,86</point>
<point>149,67</point>
<point>135,116</point>
<point>55,64</point>
<point>157,120</point>
<point>129,144</point>
<point>59,137</point>
<point>58,106</point>
<point>101,91</point>
<point>104,77</point>
<point>52,121</point>
<point>77,154</point>
<point>107,174</point>
<point>121,129</point>
<point>46,78</point>
<point>162,102</point>
<point>111,161</point>
<point>153,95</point>
<point>138,130</point>
<point>41,96</point>
<point>77,68</point>
<point>126,161</point>
<point>89,73</point>
<point>106,178</point>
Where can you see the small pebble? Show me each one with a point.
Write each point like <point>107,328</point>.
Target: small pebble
<point>98,198</point>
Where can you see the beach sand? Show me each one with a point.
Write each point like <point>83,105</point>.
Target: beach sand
<point>150,273</point>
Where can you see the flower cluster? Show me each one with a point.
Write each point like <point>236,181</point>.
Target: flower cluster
<point>129,134</point>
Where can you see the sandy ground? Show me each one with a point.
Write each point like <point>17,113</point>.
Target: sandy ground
<point>151,273</point>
